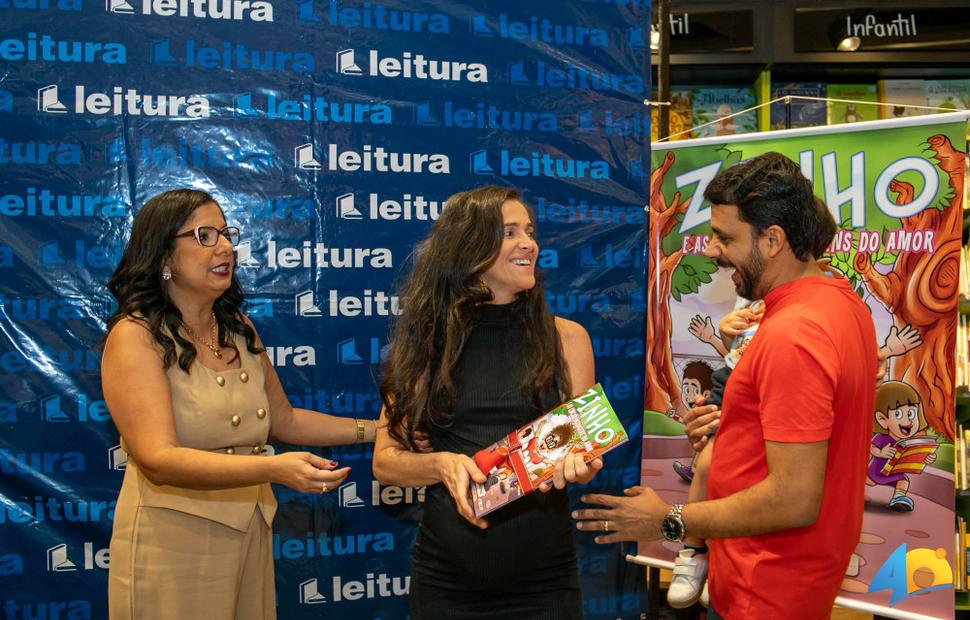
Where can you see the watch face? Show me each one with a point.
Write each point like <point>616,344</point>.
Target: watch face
<point>672,529</point>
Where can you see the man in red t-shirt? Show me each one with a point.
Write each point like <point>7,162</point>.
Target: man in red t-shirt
<point>786,483</point>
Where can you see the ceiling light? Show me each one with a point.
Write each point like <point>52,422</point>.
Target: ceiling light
<point>849,44</point>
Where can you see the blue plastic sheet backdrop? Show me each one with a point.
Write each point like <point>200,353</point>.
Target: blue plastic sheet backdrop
<point>331,133</point>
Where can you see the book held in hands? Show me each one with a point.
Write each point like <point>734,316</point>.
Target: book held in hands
<point>518,463</point>
<point>910,456</point>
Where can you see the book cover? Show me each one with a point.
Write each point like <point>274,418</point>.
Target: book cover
<point>519,462</point>
<point>804,113</point>
<point>901,94</point>
<point>910,456</point>
<point>680,115</point>
<point>951,95</point>
<point>714,104</point>
<point>838,112</point>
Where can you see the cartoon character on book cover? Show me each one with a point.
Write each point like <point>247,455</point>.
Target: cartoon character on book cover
<point>549,443</point>
<point>901,445</point>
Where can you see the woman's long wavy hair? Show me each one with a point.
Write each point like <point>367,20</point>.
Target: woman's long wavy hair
<point>439,297</point>
<point>142,294</point>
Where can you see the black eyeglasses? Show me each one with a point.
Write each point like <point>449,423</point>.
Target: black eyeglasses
<point>208,236</point>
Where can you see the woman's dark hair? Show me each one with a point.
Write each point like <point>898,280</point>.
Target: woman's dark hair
<point>770,190</point>
<point>142,294</point>
<point>439,299</point>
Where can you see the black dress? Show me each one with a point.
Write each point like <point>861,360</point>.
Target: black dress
<point>524,564</point>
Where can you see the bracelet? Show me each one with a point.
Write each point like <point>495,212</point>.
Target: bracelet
<point>360,430</point>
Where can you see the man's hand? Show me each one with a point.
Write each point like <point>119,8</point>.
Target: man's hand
<point>699,421</point>
<point>634,517</point>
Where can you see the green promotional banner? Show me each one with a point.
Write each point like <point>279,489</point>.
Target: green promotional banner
<point>897,189</point>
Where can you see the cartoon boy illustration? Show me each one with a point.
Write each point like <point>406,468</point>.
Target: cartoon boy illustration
<point>898,416</point>
<point>697,382</point>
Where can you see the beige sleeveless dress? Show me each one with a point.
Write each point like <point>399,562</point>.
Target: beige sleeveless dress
<point>183,554</point>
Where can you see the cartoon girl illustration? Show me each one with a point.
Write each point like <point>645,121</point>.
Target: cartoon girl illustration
<point>898,417</point>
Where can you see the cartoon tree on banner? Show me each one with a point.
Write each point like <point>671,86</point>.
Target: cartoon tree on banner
<point>671,274</point>
<point>921,290</point>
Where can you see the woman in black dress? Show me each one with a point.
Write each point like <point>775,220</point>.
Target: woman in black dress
<point>475,355</point>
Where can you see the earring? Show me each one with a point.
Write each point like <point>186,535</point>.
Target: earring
<point>166,274</point>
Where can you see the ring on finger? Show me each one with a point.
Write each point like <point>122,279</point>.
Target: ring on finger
<point>324,489</point>
<point>606,526</point>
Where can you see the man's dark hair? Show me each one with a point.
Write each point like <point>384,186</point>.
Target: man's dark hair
<point>770,190</point>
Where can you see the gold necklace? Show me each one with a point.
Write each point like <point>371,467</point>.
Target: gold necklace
<point>216,350</point>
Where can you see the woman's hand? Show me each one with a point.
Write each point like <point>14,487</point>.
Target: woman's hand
<point>421,442</point>
<point>306,472</point>
<point>457,471</point>
<point>572,469</point>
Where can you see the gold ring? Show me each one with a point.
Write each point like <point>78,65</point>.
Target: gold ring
<point>606,526</point>
<point>324,489</point>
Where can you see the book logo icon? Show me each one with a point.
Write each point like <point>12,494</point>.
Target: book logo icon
<point>303,158</point>
<point>346,64</point>
<point>310,593</point>
<point>48,101</point>
<point>118,6</point>
<point>244,255</point>
<point>423,115</point>
<point>161,54</point>
<point>478,163</point>
<point>50,410</point>
<point>242,106</point>
<point>348,496</point>
<point>346,209</point>
<point>586,258</point>
<point>50,254</point>
<point>57,560</point>
<point>305,305</point>
<point>635,38</point>
<point>305,12</point>
<point>479,27</point>
<point>517,74</point>
<point>347,353</point>
<point>117,458</point>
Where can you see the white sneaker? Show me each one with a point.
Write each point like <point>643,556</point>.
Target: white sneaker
<point>690,576</point>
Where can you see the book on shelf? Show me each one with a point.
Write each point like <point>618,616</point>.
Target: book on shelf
<point>852,107</point>
<point>903,95</point>
<point>680,116</point>
<point>950,95</point>
<point>804,112</point>
<point>715,105</point>
<point>520,462</point>
<point>960,576</point>
<point>910,456</point>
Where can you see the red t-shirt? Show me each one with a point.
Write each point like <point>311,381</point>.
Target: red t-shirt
<point>808,375</point>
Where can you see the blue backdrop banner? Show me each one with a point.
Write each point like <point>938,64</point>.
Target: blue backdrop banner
<point>331,132</point>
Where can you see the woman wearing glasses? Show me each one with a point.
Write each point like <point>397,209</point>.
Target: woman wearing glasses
<point>193,394</point>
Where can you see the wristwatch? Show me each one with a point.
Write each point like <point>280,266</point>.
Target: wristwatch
<point>672,527</point>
